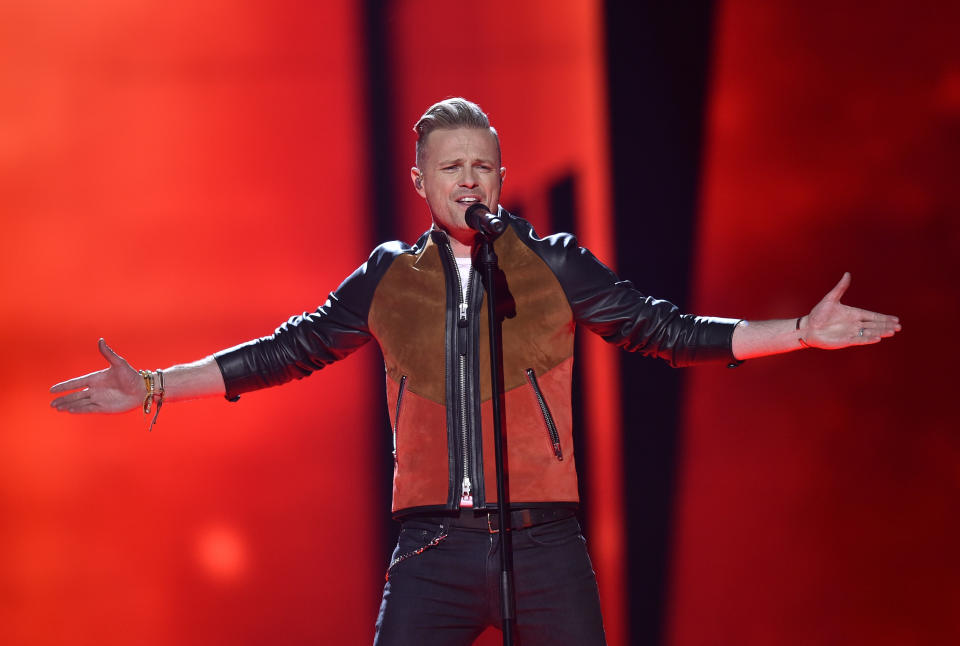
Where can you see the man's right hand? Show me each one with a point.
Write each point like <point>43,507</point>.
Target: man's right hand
<point>115,389</point>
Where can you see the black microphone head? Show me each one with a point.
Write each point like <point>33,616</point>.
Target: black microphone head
<point>474,215</point>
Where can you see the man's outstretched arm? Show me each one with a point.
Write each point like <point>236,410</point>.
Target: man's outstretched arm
<point>119,388</point>
<point>830,325</point>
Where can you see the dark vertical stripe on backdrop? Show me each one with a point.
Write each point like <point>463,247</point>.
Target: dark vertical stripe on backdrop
<point>383,227</point>
<point>657,57</point>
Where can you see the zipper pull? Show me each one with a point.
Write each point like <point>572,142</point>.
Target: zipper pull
<point>462,325</point>
<point>557,452</point>
<point>466,498</point>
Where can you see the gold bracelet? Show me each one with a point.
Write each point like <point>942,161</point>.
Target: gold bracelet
<point>148,383</point>
<point>155,392</point>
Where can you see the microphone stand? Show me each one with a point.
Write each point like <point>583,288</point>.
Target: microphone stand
<point>488,264</point>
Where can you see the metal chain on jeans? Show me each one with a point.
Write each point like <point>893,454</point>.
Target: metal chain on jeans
<point>415,552</point>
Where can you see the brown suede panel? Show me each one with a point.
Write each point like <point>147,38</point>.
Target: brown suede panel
<point>408,319</point>
<point>535,473</point>
<point>421,473</point>
<point>540,336</point>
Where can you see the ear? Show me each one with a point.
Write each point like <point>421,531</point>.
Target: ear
<point>417,179</point>
<point>503,173</point>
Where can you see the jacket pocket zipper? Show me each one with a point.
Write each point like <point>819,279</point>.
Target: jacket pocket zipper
<point>396,416</point>
<point>547,417</point>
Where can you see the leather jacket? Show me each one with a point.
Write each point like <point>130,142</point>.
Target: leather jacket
<point>437,363</point>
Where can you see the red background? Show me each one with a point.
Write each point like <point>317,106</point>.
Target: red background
<point>818,496</point>
<point>180,179</point>
<point>169,178</point>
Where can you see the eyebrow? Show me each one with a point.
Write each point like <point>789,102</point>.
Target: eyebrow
<point>460,160</point>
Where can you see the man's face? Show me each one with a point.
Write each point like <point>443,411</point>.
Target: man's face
<point>459,167</point>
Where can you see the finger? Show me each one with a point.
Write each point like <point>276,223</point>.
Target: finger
<point>877,317</point>
<point>112,357</point>
<point>885,325</point>
<point>72,398</point>
<point>72,384</point>
<point>872,333</point>
<point>838,290</point>
<point>81,408</point>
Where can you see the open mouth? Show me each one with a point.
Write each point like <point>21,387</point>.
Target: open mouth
<point>468,200</point>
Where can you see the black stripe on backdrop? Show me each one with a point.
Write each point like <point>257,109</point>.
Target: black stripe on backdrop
<point>657,59</point>
<point>381,130</point>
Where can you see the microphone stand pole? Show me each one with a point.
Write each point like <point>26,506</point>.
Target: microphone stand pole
<point>487,261</point>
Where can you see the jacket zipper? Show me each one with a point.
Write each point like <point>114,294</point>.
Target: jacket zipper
<point>547,417</point>
<point>466,487</point>
<point>396,416</point>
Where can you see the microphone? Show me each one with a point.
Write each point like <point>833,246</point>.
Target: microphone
<point>479,218</point>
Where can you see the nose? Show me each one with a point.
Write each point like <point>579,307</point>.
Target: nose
<point>469,178</point>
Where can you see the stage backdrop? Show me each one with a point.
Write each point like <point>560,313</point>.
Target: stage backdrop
<point>818,491</point>
<point>178,179</point>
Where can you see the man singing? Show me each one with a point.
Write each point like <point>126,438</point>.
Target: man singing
<point>425,306</point>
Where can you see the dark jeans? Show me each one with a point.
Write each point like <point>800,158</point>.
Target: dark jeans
<point>443,587</point>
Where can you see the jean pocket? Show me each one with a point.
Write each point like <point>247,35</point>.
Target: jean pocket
<point>557,532</point>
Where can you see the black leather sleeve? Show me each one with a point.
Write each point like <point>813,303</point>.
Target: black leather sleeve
<point>622,315</point>
<point>309,341</point>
